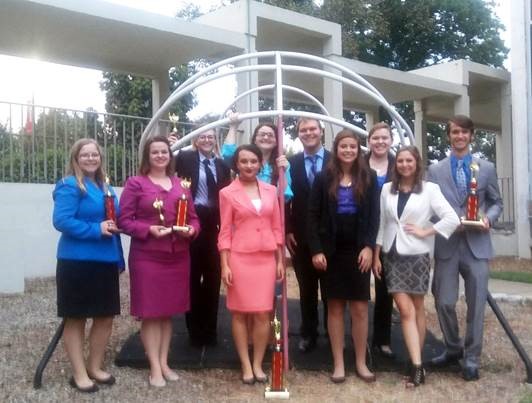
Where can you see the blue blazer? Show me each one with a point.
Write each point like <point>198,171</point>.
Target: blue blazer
<point>77,216</point>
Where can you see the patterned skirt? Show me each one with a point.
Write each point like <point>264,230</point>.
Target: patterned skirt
<point>406,273</point>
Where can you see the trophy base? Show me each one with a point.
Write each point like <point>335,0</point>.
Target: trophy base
<point>472,223</point>
<point>276,394</point>
<point>179,228</point>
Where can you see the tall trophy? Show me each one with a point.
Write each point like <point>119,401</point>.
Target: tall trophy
<point>181,209</point>
<point>276,389</point>
<point>109,202</point>
<point>472,217</point>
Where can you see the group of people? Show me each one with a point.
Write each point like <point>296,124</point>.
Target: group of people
<point>347,214</point>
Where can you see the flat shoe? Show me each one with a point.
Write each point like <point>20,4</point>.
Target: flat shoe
<point>172,377</point>
<point>337,379</point>
<point>88,389</point>
<point>368,379</point>
<point>248,381</point>
<point>110,380</point>
<point>161,384</point>
<point>262,379</point>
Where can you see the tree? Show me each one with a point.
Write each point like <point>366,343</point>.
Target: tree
<point>410,34</point>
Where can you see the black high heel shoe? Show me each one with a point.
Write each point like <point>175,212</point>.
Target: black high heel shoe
<point>417,376</point>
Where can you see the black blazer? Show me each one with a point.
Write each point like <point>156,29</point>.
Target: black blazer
<point>187,166</point>
<point>296,213</point>
<point>322,217</point>
<point>391,165</point>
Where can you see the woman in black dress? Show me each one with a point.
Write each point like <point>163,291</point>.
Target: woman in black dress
<point>343,219</point>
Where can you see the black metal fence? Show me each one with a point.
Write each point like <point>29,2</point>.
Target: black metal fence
<point>35,141</point>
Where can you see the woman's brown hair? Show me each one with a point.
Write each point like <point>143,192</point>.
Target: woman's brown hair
<point>418,175</point>
<point>144,166</point>
<point>275,152</point>
<point>359,170</point>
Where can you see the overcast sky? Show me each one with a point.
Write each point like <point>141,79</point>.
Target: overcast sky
<point>76,88</point>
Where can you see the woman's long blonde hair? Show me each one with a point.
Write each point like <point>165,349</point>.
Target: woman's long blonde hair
<point>74,169</point>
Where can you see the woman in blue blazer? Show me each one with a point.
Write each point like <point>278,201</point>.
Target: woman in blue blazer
<point>89,259</point>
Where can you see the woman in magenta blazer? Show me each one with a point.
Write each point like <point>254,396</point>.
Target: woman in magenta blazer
<point>251,245</point>
<point>159,258</point>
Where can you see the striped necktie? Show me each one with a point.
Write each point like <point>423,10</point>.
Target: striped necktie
<point>461,180</point>
<point>313,168</point>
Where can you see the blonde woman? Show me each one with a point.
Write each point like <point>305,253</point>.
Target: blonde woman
<point>89,259</point>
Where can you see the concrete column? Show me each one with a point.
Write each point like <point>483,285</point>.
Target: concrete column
<point>521,120</point>
<point>333,98</point>
<point>372,118</point>
<point>420,130</point>
<point>462,104</point>
<point>333,102</point>
<point>160,88</point>
<point>249,103</point>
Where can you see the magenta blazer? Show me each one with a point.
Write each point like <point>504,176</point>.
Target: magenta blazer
<point>242,228</point>
<point>137,214</point>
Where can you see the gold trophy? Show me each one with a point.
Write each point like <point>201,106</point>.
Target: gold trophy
<point>472,217</point>
<point>276,389</point>
<point>174,119</point>
<point>181,209</point>
<point>158,205</point>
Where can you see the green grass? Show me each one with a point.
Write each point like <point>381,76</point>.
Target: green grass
<point>520,277</point>
<point>526,398</point>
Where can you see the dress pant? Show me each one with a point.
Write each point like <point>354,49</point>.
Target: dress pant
<point>205,276</point>
<point>382,314</point>
<point>309,280</point>
<point>475,273</point>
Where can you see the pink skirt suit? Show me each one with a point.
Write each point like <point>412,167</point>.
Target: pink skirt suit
<point>159,269</point>
<point>252,238</point>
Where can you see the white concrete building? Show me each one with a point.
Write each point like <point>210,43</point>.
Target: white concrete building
<point>108,37</point>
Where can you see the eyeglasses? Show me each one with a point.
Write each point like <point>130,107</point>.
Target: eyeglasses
<point>205,137</point>
<point>265,134</point>
<point>87,156</point>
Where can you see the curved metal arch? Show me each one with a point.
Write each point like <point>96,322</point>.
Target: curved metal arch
<point>204,76</point>
<point>263,114</point>
<point>272,86</point>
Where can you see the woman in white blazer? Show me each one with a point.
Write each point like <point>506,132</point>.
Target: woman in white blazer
<point>406,237</point>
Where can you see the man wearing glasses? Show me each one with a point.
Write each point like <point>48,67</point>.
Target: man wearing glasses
<point>208,175</point>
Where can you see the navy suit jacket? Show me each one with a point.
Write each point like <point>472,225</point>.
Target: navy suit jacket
<point>296,214</point>
<point>187,166</point>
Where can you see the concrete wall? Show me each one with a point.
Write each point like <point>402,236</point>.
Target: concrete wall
<point>28,239</point>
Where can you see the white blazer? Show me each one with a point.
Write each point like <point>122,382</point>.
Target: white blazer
<point>418,210</point>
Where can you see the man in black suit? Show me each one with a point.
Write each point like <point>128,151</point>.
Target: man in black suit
<point>208,175</point>
<point>304,167</point>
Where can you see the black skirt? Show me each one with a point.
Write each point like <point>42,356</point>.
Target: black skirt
<point>87,289</point>
<point>408,274</point>
<point>343,279</point>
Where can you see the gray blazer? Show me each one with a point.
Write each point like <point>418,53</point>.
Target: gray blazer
<point>490,204</point>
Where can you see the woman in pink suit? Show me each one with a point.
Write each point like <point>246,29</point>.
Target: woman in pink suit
<point>251,244</point>
<point>159,261</point>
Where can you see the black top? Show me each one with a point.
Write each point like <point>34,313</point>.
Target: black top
<point>322,217</point>
<point>401,202</point>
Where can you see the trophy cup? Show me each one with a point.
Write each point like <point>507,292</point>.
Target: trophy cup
<point>174,119</point>
<point>181,209</point>
<point>109,202</point>
<point>158,205</point>
<point>472,217</point>
<point>276,389</point>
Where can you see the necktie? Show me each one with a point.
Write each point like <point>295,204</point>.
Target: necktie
<point>461,180</point>
<point>211,183</point>
<point>313,168</point>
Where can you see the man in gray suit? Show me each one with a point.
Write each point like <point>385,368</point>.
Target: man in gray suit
<point>467,251</point>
